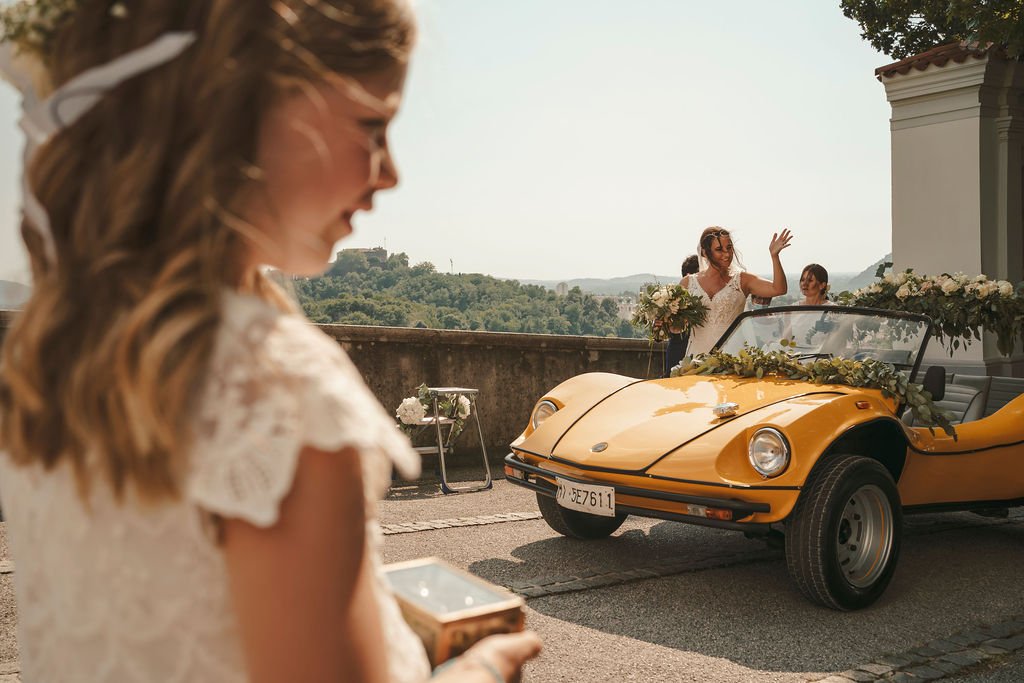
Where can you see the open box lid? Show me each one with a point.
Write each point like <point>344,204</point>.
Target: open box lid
<point>432,585</point>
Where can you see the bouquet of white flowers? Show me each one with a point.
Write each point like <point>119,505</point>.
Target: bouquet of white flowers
<point>668,308</point>
<point>413,411</point>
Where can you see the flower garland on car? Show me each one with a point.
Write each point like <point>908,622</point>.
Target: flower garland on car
<point>959,305</point>
<point>868,373</point>
<point>31,24</point>
<point>662,309</point>
<point>411,411</point>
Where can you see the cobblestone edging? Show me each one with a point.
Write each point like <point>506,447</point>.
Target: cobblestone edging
<point>554,585</point>
<point>482,520</point>
<point>941,658</point>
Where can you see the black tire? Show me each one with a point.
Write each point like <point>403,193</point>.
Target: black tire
<point>840,555</point>
<point>575,524</point>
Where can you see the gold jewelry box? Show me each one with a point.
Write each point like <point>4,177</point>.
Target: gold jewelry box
<point>450,609</point>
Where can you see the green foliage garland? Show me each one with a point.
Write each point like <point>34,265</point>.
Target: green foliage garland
<point>868,374</point>
<point>31,24</point>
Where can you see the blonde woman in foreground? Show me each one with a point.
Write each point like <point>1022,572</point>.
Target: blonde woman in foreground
<point>189,470</point>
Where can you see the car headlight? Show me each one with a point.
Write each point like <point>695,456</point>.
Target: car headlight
<point>543,411</point>
<point>768,452</point>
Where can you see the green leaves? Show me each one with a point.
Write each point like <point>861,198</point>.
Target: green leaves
<point>391,293</point>
<point>960,306</point>
<point>664,308</point>
<point>902,28</point>
<point>32,25</point>
<point>867,374</point>
<point>449,406</point>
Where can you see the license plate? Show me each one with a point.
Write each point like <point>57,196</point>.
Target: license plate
<point>597,500</point>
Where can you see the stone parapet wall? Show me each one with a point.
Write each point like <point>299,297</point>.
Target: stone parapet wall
<point>511,370</point>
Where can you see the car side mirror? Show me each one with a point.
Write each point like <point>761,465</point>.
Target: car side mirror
<point>935,382</point>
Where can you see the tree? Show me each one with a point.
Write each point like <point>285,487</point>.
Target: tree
<point>902,28</point>
<point>349,261</point>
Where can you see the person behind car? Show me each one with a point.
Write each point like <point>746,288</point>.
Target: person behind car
<point>814,286</point>
<point>724,288</point>
<point>677,341</point>
<point>189,470</point>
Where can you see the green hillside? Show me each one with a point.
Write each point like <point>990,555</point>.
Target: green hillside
<point>394,294</point>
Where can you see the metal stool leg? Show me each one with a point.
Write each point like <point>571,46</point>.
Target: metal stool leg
<point>445,486</point>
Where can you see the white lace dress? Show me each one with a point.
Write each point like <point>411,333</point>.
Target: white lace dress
<point>135,592</point>
<point>722,310</point>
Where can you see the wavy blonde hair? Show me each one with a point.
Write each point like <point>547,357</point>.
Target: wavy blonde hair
<point>103,364</point>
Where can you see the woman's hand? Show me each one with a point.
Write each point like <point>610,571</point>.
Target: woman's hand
<point>503,654</point>
<point>779,242</point>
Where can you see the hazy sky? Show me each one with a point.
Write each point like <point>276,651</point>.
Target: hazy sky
<point>554,139</point>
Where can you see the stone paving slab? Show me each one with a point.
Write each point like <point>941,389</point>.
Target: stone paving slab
<point>943,657</point>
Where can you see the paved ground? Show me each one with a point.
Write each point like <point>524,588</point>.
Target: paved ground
<point>661,601</point>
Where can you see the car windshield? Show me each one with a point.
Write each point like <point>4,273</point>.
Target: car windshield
<point>831,331</point>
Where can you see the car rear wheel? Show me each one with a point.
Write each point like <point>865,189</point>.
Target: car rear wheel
<point>843,538</point>
<point>575,524</point>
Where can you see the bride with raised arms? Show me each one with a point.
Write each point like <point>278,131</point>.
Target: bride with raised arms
<point>725,288</point>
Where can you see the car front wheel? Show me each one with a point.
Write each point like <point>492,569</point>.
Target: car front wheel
<point>843,538</point>
<point>575,524</point>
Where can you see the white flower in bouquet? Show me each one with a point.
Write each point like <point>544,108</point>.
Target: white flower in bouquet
<point>981,278</point>
<point>903,292</point>
<point>901,278</point>
<point>410,411</point>
<point>1005,288</point>
<point>660,297</point>
<point>464,407</point>
<point>950,286</point>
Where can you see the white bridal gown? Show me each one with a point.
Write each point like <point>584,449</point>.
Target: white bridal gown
<point>722,310</point>
<point>133,592</point>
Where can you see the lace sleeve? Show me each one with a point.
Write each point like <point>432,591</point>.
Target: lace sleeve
<point>275,385</point>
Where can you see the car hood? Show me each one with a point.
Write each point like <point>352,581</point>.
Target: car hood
<point>642,422</point>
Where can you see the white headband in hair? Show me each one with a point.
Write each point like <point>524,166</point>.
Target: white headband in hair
<point>40,119</point>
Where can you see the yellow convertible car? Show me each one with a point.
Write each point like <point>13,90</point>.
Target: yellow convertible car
<point>828,470</point>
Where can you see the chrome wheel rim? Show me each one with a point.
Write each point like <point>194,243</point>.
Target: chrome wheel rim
<point>864,536</point>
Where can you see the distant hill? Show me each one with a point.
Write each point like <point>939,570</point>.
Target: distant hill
<point>632,283</point>
<point>615,285</point>
<point>863,278</point>
<point>13,294</point>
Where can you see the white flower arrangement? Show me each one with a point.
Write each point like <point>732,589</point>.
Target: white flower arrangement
<point>666,308</point>
<point>414,410</point>
<point>411,411</point>
<point>959,305</point>
<point>31,24</point>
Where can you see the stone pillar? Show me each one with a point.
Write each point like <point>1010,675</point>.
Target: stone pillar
<point>958,175</point>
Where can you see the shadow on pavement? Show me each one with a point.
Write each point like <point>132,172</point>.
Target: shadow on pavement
<point>728,597</point>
